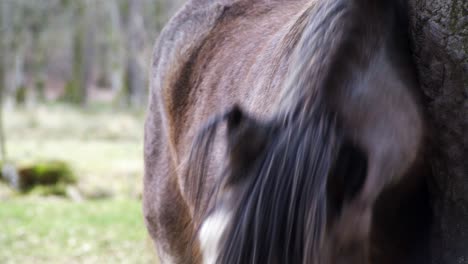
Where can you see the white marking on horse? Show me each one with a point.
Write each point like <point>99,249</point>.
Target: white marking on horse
<point>211,233</point>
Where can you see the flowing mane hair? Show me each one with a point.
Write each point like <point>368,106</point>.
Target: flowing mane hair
<point>281,214</point>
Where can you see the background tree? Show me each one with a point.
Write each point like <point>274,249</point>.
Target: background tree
<point>3,10</point>
<point>135,73</point>
<point>80,51</point>
<point>440,37</point>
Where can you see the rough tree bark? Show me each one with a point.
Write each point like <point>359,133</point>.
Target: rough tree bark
<point>440,37</point>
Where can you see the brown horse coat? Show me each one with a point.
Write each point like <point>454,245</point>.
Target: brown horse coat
<point>217,53</point>
<point>212,55</point>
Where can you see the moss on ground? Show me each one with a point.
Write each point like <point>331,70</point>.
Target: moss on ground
<point>55,174</point>
<point>43,177</point>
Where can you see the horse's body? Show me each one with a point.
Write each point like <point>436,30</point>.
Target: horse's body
<point>277,60</point>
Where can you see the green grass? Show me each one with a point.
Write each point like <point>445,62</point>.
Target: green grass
<point>60,231</point>
<point>104,148</point>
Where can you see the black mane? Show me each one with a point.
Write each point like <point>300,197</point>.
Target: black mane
<point>281,217</point>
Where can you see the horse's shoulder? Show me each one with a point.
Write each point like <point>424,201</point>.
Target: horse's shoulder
<point>183,35</point>
<point>175,49</point>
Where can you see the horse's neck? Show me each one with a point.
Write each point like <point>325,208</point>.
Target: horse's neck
<point>317,37</point>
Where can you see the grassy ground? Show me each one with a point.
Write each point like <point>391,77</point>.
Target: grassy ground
<point>104,147</point>
<point>60,231</point>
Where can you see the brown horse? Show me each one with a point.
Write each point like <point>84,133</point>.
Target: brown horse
<point>274,129</point>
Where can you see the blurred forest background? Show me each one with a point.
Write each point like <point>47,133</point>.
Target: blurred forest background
<point>73,90</point>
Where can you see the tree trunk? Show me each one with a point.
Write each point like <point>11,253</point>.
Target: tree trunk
<point>88,48</point>
<point>37,89</point>
<point>83,53</point>
<point>135,80</point>
<point>440,36</point>
<point>3,10</point>
<point>20,86</point>
<point>115,50</point>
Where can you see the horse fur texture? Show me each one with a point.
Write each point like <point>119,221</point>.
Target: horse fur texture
<point>275,129</point>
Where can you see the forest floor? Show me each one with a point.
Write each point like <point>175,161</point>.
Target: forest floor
<point>103,222</point>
